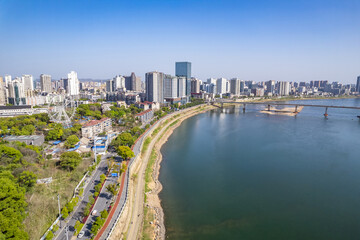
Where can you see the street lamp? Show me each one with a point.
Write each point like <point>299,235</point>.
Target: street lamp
<point>58,196</point>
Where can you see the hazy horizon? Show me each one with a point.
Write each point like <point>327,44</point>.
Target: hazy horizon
<point>252,40</point>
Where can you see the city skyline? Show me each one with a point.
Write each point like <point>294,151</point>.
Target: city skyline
<point>302,41</point>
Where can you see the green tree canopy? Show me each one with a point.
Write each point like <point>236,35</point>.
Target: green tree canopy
<point>28,130</point>
<point>27,179</point>
<point>71,141</point>
<point>64,212</point>
<point>111,188</point>
<point>70,160</point>
<point>125,152</point>
<point>55,133</point>
<point>136,131</point>
<point>78,226</point>
<point>9,155</point>
<point>102,178</point>
<point>12,209</point>
<point>124,139</point>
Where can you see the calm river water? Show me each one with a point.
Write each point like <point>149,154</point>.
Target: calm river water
<point>230,175</point>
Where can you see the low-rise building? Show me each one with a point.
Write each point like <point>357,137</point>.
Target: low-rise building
<point>37,140</point>
<point>145,116</point>
<point>148,105</point>
<point>11,111</point>
<point>106,107</point>
<point>121,103</point>
<point>95,127</point>
<point>143,105</point>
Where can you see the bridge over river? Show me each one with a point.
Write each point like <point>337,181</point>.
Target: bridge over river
<point>295,105</point>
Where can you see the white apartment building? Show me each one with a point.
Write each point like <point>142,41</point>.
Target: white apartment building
<point>170,86</point>
<point>221,85</point>
<point>154,86</point>
<point>45,82</point>
<point>95,127</point>
<point>181,87</point>
<point>7,79</point>
<point>119,82</point>
<point>28,82</point>
<point>284,88</point>
<point>73,84</point>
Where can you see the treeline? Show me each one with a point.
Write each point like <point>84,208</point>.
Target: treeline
<point>38,124</point>
<point>94,110</point>
<point>24,125</point>
<point>16,178</point>
<point>127,138</point>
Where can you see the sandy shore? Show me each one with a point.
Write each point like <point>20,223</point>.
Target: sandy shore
<point>287,111</point>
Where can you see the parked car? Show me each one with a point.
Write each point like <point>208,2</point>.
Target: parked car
<point>81,234</point>
<point>94,212</point>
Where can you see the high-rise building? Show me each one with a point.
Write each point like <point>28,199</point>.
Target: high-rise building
<point>170,86</point>
<point>133,83</point>
<point>45,82</point>
<point>72,84</point>
<point>28,82</point>
<point>181,87</point>
<point>283,88</point>
<point>2,92</point>
<point>270,86</point>
<point>195,85</point>
<point>211,81</point>
<point>358,85</point>
<point>235,86</point>
<point>119,82</point>
<point>221,85</point>
<point>110,85</point>
<point>154,86</point>
<point>242,86</point>
<point>7,80</point>
<point>16,92</point>
<point>183,69</point>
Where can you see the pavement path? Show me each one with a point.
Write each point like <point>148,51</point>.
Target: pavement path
<point>137,214</point>
<point>69,223</point>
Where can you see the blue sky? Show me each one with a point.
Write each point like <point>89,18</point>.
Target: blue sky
<point>292,40</point>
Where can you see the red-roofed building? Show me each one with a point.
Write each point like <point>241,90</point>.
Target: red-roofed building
<point>145,116</point>
<point>147,105</point>
<point>95,127</point>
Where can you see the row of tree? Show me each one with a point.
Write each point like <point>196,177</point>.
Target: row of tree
<point>15,181</point>
<point>24,125</point>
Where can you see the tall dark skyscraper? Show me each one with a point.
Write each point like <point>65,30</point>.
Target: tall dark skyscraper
<point>183,69</point>
<point>358,84</point>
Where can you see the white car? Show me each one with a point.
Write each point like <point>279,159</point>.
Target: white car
<point>94,212</point>
<point>81,234</point>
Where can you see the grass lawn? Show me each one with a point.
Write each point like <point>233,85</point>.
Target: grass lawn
<point>42,201</point>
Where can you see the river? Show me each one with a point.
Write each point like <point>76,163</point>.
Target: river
<point>230,175</point>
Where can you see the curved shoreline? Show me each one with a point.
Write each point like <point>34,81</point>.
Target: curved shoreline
<point>139,218</point>
<point>153,201</point>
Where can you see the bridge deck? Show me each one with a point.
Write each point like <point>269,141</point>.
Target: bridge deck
<point>292,104</point>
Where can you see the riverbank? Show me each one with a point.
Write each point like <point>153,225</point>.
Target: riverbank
<point>143,214</point>
<point>156,230</point>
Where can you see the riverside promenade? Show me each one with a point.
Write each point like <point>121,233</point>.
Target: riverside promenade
<point>120,202</point>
